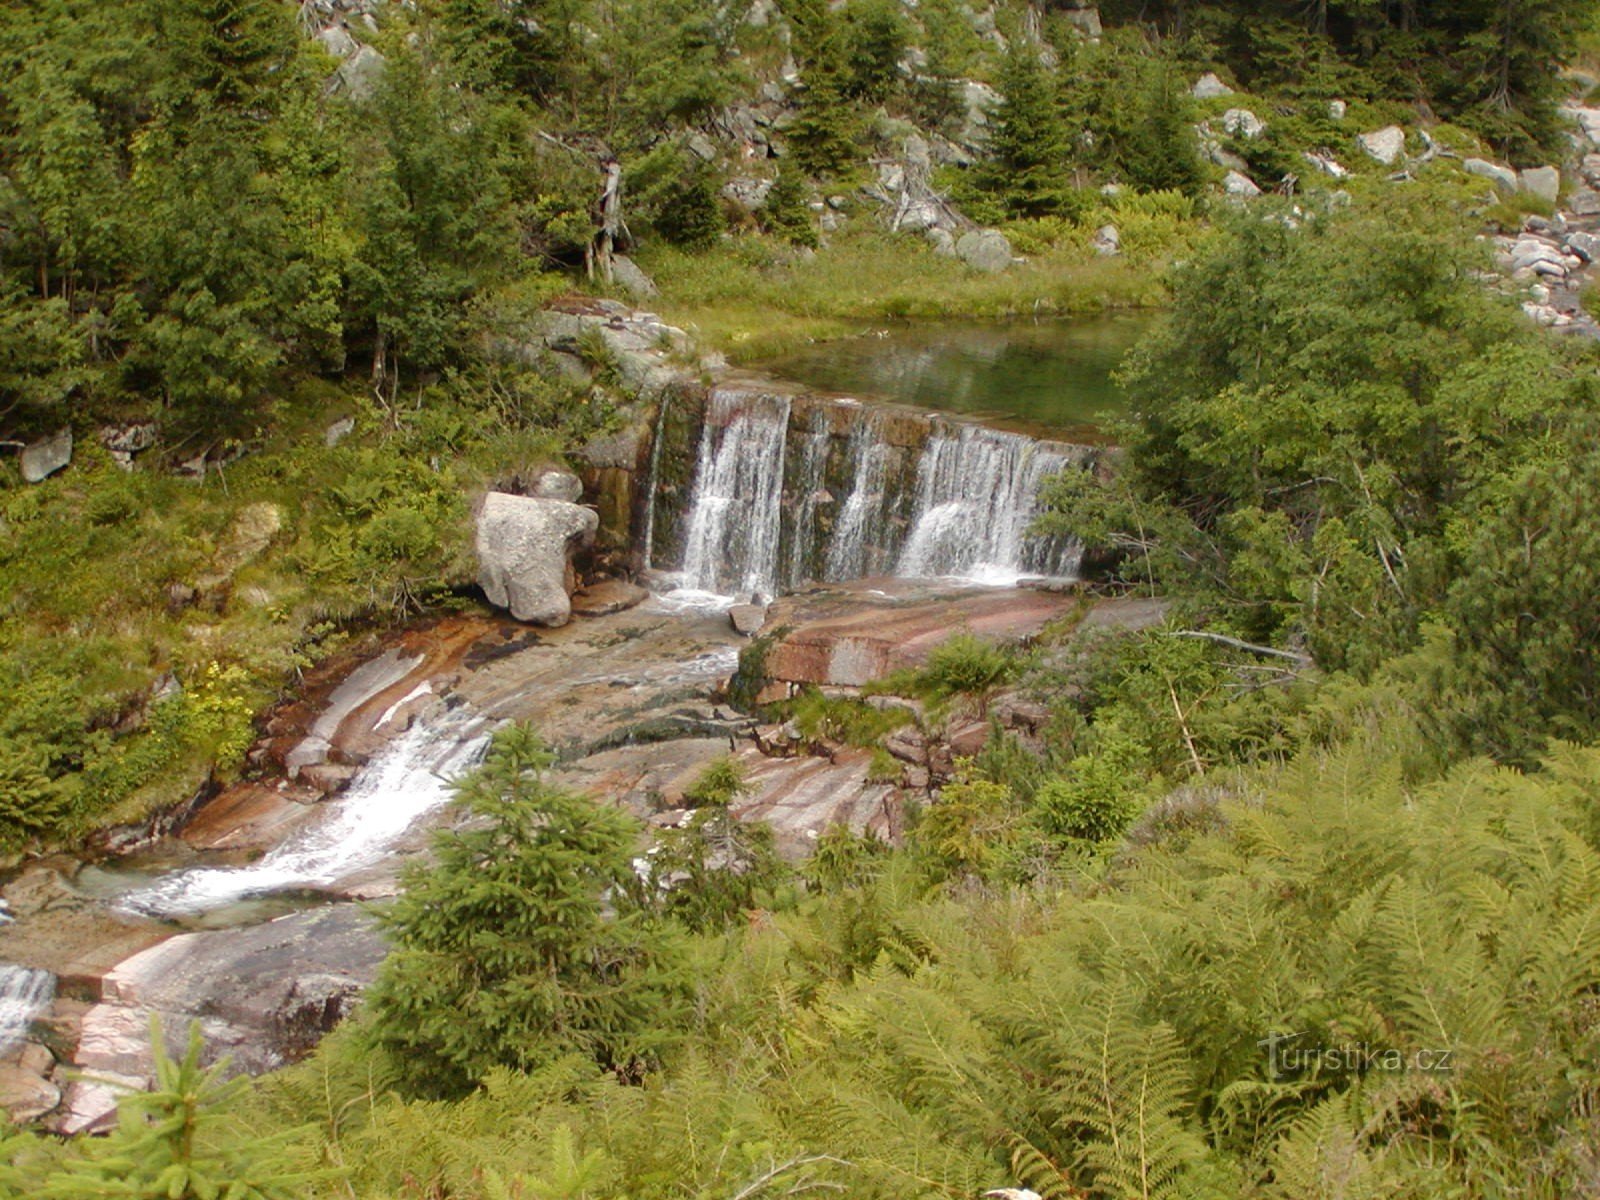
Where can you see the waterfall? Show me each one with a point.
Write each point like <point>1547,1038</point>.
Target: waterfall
<point>918,495</point>
<point>862,533</point>
<point>977,493</point>
<point>25,994</point>
<point>657,440</point>
<point>807,492</point>
<point>404,781</point>
<point>735,517</point>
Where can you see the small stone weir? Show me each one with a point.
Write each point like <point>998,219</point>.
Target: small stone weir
<point>790,488</point>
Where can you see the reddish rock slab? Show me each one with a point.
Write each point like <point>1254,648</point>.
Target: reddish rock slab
<point>803,797</point>
<point>857,647</point>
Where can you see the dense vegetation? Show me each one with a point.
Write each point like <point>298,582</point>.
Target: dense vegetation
<point>1296,896</point>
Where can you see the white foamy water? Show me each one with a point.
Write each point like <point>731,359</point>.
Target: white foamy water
<point>406,780</point>
<point>755,517</point>
<point>25,993</point>
<point>977,496</point>
<point>735,516</point>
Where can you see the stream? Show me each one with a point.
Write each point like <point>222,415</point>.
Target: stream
<point>244,920</point>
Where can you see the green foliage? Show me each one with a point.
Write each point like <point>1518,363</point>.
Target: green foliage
<point>786,211</point>
<point>721,784</point>
<point>1527,645</point>
<point>962,667</point>
<point>1330,406</point>
<point>504,954</point>
<point>691,210</point>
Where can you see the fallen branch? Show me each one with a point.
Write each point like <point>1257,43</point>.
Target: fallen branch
<point>1221,639</point>
<point>756,1186</point>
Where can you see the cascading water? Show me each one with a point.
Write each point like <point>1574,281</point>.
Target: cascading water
<point>807,491</point>
<point>777,504</point>
<point>407,779</point>
<point>25,993</point>
<point>735,517</point>
<point>861,534</point>
<point>977,495</point>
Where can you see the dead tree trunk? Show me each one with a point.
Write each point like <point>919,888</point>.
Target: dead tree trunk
<point>613,230</point>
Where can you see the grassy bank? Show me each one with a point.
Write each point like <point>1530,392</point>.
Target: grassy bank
<point>145,618</point>
<point>753,297</point>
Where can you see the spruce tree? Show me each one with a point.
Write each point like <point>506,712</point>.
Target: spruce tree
<point>1028,143</point>
<point>691,211</point>
<point>823,133</point>
<point>505,953</point>
<point>785,212</point>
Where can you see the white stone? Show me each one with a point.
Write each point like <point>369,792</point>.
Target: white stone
<point>44,458</point>
<point>1107,241</point>
<point>1328,166</point>
<point>1504,177</point>
<point>1585,202</point>
<point>985,250</point>
<point>1543,182</point>
<point>1209,87</point>
<point>1386,144</point>
<point>1337,109</point>
<point>525,547</point>
<point>1239,184</point>
<point>1241,122</point>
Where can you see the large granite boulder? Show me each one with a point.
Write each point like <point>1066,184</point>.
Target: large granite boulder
<point>525,546</point>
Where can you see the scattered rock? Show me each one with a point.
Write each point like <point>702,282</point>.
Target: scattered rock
<point>1337,109</point>
<point>327,778</point>
<point>1327,165</point>
<point>942,240</point>
<point>1084,18</point>
<point>1585,202</point>
<point>978,100</point>
<point>1386,144</point>
<point>338,431</point>
<point>1504,177</point>
<point>1588,119</point>
<point>359,75</point>
<point>748,619</point>
<point>702,147</point>
<point>1209,87</point>
<point>1241,122</point>
<point>632,277</point>
<point>124,441</point>
<point>525,547</point>
<point>26,1095</point>
<point>558,485</point>
<point>985,250</point>
<point>336,40</point>
<point>1238,184</point>
<point>1107,241</point>
<point>968,739</point>
<point>44,458</point>
<point>908,745</point>
<point>1543,182</point>
<point>252,532</point>
<point>1585,245</point>
<point>607,596</point>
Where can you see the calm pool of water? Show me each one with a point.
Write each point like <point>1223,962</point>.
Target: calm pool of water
<point>1046,377</point>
